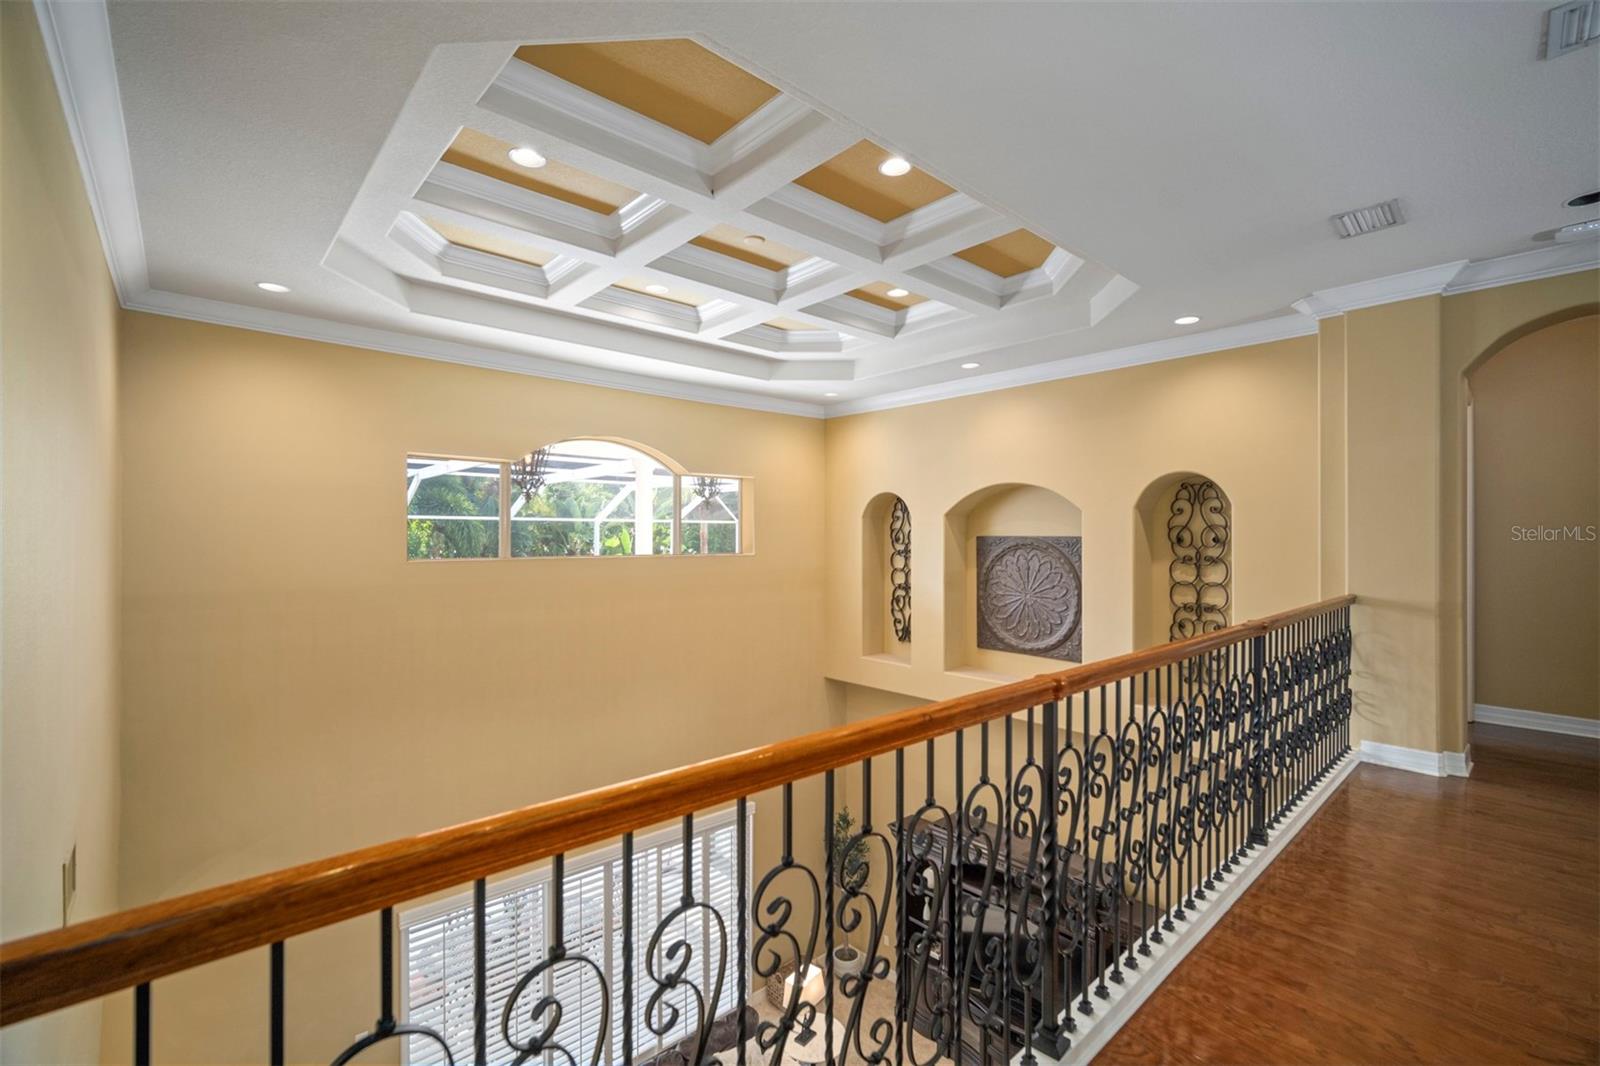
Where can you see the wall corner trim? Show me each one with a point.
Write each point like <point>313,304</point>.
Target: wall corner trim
<point>1543,721</point>
<point>1417,761</point>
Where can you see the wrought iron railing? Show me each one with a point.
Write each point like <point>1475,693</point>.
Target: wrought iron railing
<point>1018,852</point>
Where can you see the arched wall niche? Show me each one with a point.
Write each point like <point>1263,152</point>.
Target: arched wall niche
<point>1184,587</point>
<point>886,577</point>
<point>1006,509</point>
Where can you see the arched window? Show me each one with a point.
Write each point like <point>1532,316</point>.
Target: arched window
<point>592,497</point>
<point>575,497</point>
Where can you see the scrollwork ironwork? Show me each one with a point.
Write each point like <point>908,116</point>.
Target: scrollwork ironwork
<point>1199,531</point>
<point>900,570</point>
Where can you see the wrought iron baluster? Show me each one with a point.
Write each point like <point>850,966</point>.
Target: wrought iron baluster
<point>927,877</point>
<point>627,949</point>
<point>902,992</point>
<point>867,880</point>
<point>1088,943</point>
<point>832,866</point>
<point>141,1025</point>
<point>480,972</point>
<point>668,963</point>
<point>742,858</point>
<point>275,1004</point>
<point>981,836</point>
<point>387,1028</point>
<point>1051,1034</point>
<point>779,945</point>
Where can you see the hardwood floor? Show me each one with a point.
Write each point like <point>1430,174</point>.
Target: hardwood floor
<point>1413,920</point>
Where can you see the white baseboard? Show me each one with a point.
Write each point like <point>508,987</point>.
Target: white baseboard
<point>1540,720</point>
<point>1111,1014</point>
<point>1416,760</point>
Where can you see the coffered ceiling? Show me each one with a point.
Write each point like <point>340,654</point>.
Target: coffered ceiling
<point>668,190</point>
<point>710,220</point>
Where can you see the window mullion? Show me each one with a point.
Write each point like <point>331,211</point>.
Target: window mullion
<point>505,510</point>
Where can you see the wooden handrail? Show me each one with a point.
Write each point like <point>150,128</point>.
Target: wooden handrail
<point>94,958</point>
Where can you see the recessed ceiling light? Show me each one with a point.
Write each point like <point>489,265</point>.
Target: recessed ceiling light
<point>755,238</point>
<point>271,286</point>
<point>895,294</point>
<point>893,167</point>
<point>830,394</point>
<point>657,289</point>
<point>527,157</point>
<point>1185,320</point>
<point>969,366</point>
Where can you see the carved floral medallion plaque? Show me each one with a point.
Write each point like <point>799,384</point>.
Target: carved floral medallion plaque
<point>1030,596</point>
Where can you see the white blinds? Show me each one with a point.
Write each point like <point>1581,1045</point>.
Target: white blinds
<point>437,944</point>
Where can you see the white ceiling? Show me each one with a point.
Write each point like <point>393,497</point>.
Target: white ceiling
<point>1195,149</point>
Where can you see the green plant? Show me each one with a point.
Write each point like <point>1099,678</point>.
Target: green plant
<point>847,852</point>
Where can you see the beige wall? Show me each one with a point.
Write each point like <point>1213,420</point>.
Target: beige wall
<point>1245,417</point>
<point>1536,424</point>
<point>1475,325</point>
<point>58,504</point>
<point>1392,529</point>
<point>293,687</point>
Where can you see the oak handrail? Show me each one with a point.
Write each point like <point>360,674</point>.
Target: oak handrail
<point>56,969</point>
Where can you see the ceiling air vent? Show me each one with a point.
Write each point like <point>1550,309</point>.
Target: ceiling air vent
<point>1368,219</point>
<point>1570,27</point>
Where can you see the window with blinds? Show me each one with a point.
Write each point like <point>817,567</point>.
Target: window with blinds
<point>437,943</point>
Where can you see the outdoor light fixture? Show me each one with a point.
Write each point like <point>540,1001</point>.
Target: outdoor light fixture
<point>894,167</point>
<point>529,472</point>
<point>527,157</point>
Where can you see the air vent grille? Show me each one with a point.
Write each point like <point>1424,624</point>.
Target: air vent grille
<point>1570,27</point>
<point>1368,219</point>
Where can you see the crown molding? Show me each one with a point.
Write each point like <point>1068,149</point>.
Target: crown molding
<point>1429,281</point>
<point>284,323</point>
<point>1548,262</point>
<point>1263,331</point>
<point>77,40</point>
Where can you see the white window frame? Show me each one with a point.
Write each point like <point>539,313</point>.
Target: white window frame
<point>681,501</point>
<point>704,826</point>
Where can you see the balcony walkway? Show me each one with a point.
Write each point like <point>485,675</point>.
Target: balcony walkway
<point>1414,920</point>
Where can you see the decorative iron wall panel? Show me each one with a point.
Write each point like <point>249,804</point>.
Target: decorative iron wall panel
<point>1030,596</point>
<point>1199,530</point>
<point>900,570</point>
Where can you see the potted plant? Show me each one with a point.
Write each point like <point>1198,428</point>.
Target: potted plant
<point>849,868</point>
<point>847,853</point>
<point>847,961</point>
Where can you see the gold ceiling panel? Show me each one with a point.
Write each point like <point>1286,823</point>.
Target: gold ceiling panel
<point>676,82</point>
<point>1015,253</point>
<point>878,293</point>
<point>851,178</point>
<point>675,293</point>
<point>750,247</point>
<point>490,244</point>
<point>789,325</point>
<point>487,155</point>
